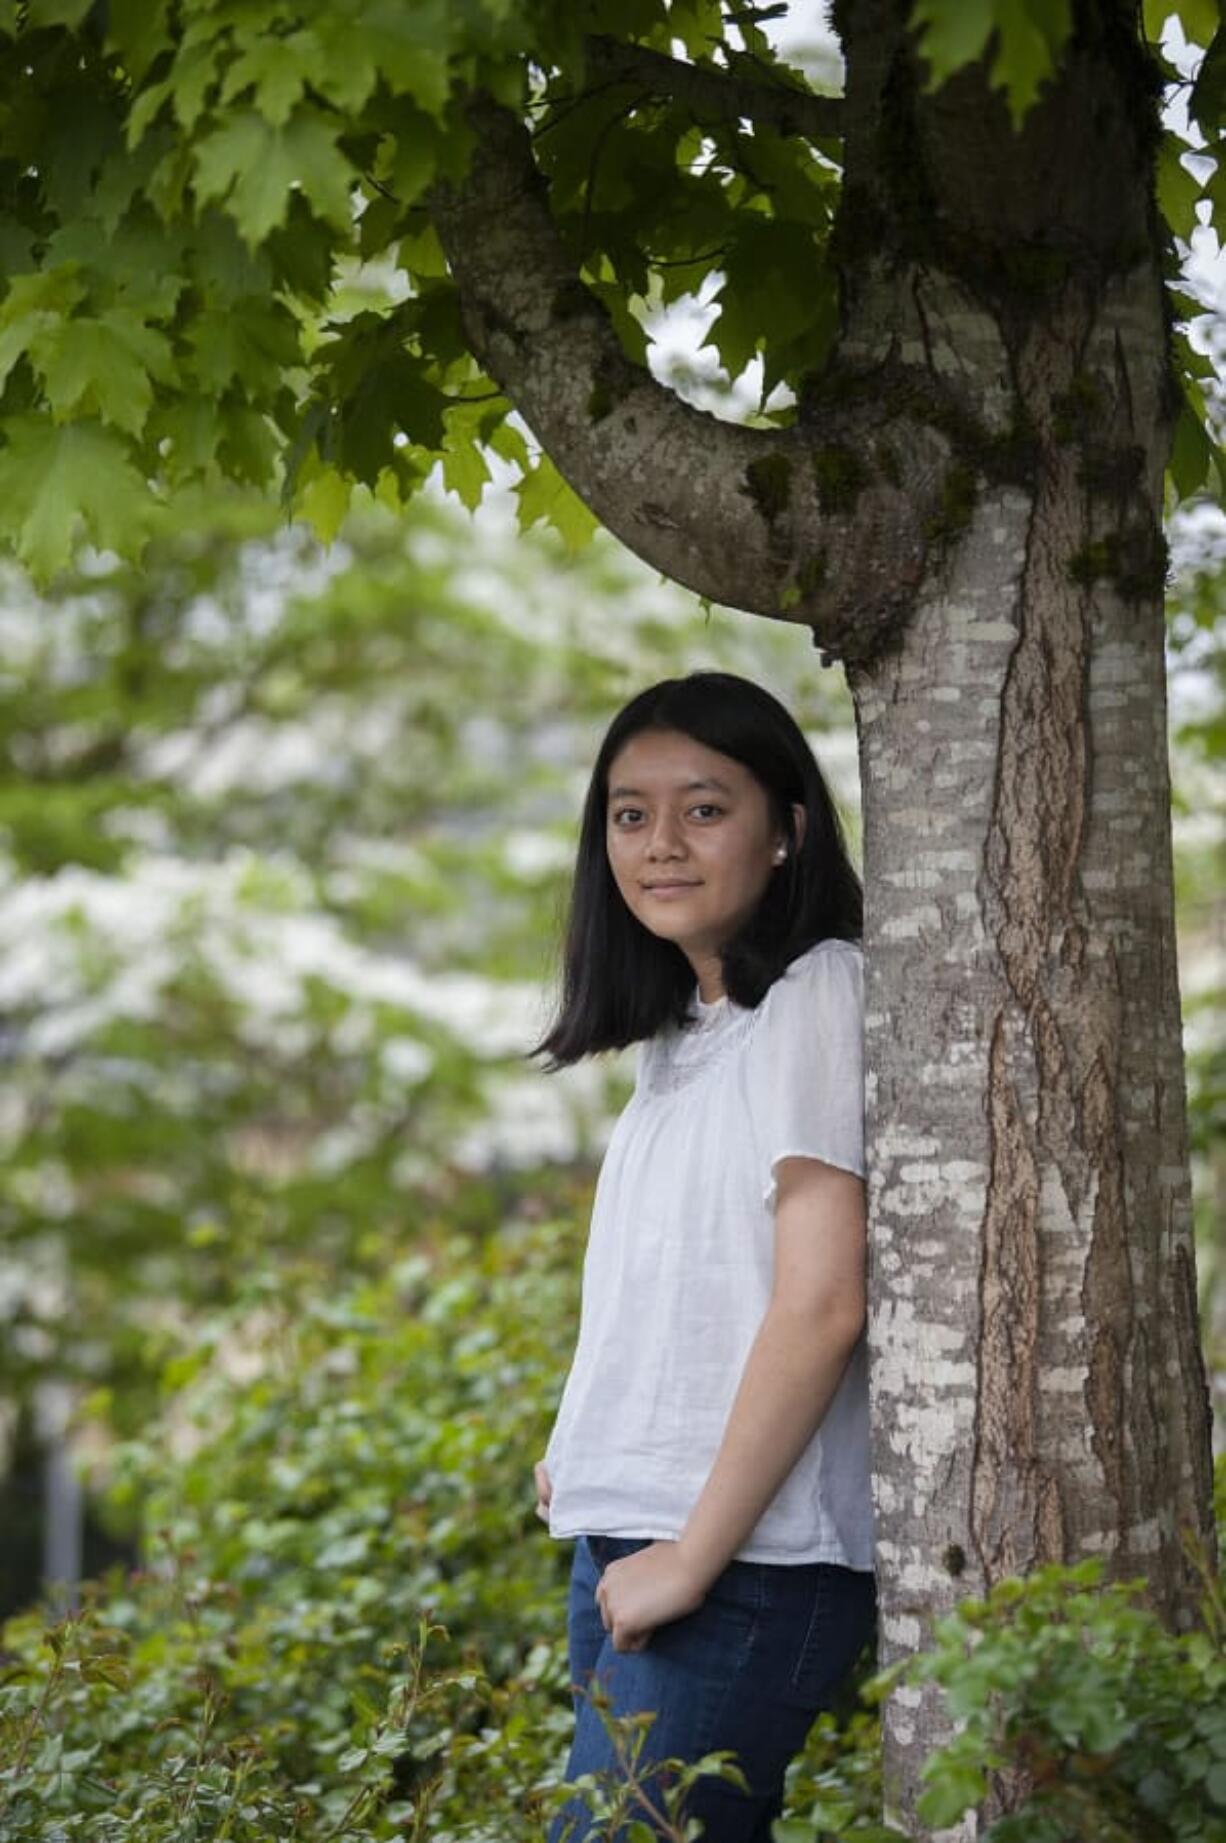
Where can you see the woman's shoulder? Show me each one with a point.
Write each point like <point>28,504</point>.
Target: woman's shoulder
<point>816,961</point>
<point>805,1080</point>
<point>824,984</point>
<point>833,944</point>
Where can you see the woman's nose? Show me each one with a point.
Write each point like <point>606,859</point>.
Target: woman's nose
<point>665,838</point>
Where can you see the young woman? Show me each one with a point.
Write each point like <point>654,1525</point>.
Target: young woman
<point>710,1453</point>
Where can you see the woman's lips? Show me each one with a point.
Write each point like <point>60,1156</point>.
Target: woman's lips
<point>665,890</point>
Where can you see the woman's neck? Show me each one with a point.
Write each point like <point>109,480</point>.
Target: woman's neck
<point>710,976</point>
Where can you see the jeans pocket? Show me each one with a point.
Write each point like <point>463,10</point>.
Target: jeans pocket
<point>841,1621</point>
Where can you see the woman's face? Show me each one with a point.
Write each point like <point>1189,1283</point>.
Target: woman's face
<point>691,840</point>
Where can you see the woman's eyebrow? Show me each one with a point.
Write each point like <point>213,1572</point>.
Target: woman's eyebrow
<point>621,793</point>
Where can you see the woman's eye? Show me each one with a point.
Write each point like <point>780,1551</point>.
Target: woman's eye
<point>705,810</point>
<point>625,813</point>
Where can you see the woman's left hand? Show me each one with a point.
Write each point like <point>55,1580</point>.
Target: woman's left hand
<point>644,1590</point>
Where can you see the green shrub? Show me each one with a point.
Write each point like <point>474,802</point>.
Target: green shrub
<point>834,1787</point>
<point>1111,1728</point>
<point>349,1622</point>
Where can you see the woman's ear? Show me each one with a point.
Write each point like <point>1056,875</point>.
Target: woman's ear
<point>799,816</point>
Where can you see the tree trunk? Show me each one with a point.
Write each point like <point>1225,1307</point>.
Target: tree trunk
<point>1038,1388</point>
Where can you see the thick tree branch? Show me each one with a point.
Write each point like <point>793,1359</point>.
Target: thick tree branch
<point>734,513</point>
<point>716,95</point>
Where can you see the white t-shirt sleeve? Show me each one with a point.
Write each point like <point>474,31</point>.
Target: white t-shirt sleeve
<point>807,1081</point>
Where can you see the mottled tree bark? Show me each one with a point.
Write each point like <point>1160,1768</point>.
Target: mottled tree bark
<point>991,572</point>
<point>1038,1388</point>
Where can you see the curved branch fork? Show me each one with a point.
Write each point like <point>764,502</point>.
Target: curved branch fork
<point>745,516</point>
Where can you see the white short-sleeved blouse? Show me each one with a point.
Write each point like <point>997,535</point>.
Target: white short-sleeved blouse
<point>679,1264</point>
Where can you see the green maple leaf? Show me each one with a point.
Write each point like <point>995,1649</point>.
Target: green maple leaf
<point>1030,36</point>
<point>543,495</point>
<point>34,306</point>
<point>953,36</point>
<point>1207,104</point>
<point>278,70</point>
<point>1178,191</point>
<point>1199,18</point>
<point>408,155</point>
<point>247,447</point>
<point>506,440</point>
<point>410,45</point>
<point>380,390</point>
<point>253,339</point>
<point>187,433</point>
<point>57,12</point>
<point>323,500</point>
<point>464,469</point>
<point>141,260</point>
<point>20,334</point>
<point>56,481</point>
<point>393,399</point>
<point>146,107</point>
<point>465,473</point>
<point>192,78</point>
<point>697,23</point>
<point>1193,450</point>
<point>776,289</point>
<point>137,30</point>
<point>103,367</point>
<point>253,168</point>
<point>349,73</point>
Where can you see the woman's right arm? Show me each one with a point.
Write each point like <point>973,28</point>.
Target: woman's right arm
<point>544,1490</point>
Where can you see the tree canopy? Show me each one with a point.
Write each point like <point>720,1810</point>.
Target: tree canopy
<point>224,225</point>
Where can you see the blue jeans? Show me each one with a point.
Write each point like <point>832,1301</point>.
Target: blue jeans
<point>750,1670</point>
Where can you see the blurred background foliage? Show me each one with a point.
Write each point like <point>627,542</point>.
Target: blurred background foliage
<point>283,849</point>
<point>291,1225</point>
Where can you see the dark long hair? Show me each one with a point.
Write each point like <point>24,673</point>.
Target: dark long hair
<point>620,982</point>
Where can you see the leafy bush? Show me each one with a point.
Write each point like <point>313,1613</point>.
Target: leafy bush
<point>834,1787</point>
<point>348,1622</point>
<point>1114,1727</point>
